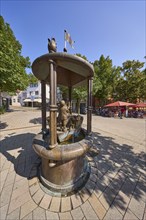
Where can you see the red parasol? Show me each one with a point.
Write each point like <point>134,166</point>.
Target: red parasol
<point>140,105</point>
<point>118,104</point>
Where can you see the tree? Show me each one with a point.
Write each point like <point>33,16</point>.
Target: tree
<point>131,85</point>
<point>79,94</point>
<point>105,78</point>
<point>12,70</point>
<point>32,79</point>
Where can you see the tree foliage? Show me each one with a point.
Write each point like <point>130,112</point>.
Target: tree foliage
<point>131,84</point>
<point>105,79</point>
<point>32,79</point>
<point>12,70</point>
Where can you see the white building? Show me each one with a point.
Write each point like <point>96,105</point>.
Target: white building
<point>32,96</point>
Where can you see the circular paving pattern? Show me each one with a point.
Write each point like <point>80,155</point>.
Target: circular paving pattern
<point>49,201</point>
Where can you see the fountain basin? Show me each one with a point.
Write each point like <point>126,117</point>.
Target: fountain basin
<point>70,170</point>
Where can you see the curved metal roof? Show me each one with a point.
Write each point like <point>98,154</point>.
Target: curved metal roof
<point>71,69</point>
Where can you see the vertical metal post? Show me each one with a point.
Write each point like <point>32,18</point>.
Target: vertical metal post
<point>70,98</point>
<point>43,95</point>
<point>53,105</point>
<point>89,108</point>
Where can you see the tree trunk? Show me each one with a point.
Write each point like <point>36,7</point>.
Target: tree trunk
<point>1,99</point>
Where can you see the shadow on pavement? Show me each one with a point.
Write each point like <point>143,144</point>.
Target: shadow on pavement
<point>19,151</point>
<point>3,125</point>
<point>119,168</point>
<point>36,120</point>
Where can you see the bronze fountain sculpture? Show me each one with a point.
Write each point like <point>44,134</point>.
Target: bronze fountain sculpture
<point>64,167</point>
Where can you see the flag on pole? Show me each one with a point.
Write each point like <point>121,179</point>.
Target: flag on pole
<point>67,38</point>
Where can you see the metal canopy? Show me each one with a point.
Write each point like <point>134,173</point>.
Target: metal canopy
<point>71,69</point>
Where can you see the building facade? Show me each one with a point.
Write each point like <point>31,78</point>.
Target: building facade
<point>31,97</point>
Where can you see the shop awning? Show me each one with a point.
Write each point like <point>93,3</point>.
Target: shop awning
<point>35,100</point>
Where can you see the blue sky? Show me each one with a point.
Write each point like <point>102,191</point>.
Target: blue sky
<point>112,28</point>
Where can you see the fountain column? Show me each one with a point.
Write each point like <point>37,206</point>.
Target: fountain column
<point>89,108</point>
<point>70,98</point>
<point>43,95</point>
<point>53,105</point>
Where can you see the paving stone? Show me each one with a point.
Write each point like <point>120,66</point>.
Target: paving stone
<point>121,202</point>
<point>19,201</point>
<point>113,150</point>
<point>77,214</point>
<point>39,214</point>
<point>6,195</point>
<point>19,191</point>
<point>99,174</point>
<point>103,167</point>
<point>11,168</point>
<point>6,165</point>
<point>88,211</point>
<point>112,173</point>
<point>20,169</point>
<point>65,216</point>
<point>37,197</point>
<point>65,204</point>
<point>33,172</point>
<point>20,183</point>
<point>100,188</point>
<point>33,181</point>
<point>76,200</point>
<point>27,208</point>
<point>14,215</point>
<point>93,177</point>
<point>140,191</point>
<point>106,180</point>
<point>97,206</point>
<point>52,215</point>
<point>2,161</point>
<point>1,186</point>
<point>113,214</point>
<point>124,195</point>
<point>90,186</point>
<point>137,207</point>
<point>3,212</point>
<point>116,183</point>
<point>34,188</point>
<point>144,215</point>
<point>28,217</point>
<point>45,202</point>
<point>19,177</point>
<point>3,175</point>
<point>94,170</point>
<point>107,198</point>
<point>55,204</point>
<point>129,215</point>
<point>84,194</point>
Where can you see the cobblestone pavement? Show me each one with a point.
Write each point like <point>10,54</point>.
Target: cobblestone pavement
<point>116,186</point>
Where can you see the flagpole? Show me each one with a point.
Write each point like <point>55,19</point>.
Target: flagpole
<point>65,49</point>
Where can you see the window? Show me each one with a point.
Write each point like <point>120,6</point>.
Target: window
<point>36,92</point>
<point>14,100</point>
<point>33,85</point>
